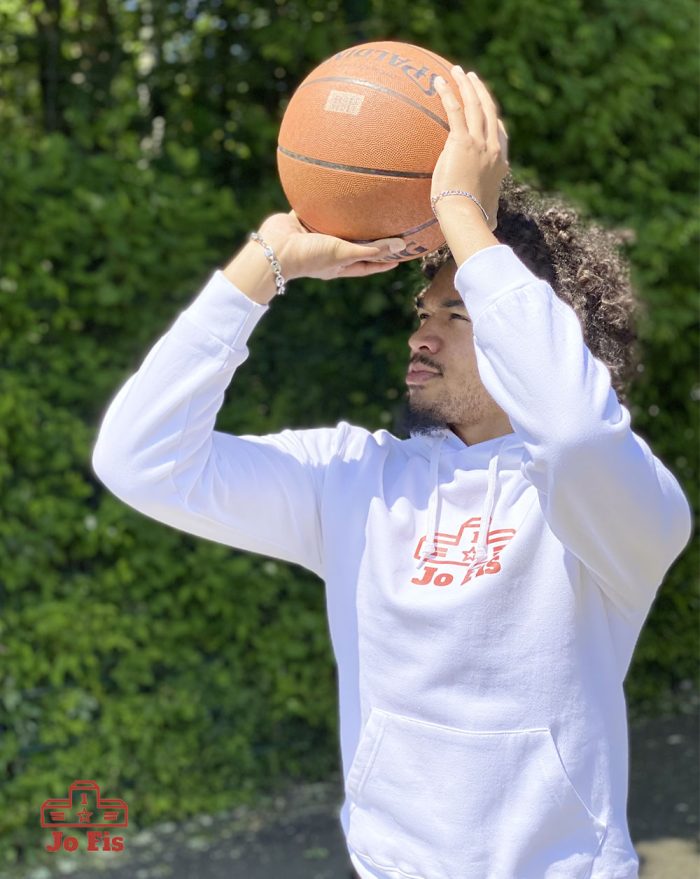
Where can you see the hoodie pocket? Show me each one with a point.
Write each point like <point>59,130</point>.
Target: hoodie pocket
<point>434,802</point>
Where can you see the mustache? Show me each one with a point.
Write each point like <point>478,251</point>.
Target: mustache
<point>423,361</point>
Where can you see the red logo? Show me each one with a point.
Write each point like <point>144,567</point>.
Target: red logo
<point>84,807</point>
<point>458,552</point>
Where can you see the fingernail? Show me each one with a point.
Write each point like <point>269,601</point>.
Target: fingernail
<point>458,68</point>
<point>439,80</point>
<point>396,245</point>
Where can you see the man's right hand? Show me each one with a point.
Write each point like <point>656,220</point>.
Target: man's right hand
<point>304,254</point>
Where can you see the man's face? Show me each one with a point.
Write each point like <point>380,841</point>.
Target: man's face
<point>443,342</point>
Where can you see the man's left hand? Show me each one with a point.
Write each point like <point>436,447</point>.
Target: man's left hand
<point>475,156</point>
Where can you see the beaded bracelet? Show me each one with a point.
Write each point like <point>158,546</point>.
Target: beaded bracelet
<point>274,262</point>
<point>436,198</point>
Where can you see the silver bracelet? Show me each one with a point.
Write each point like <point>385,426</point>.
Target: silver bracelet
<point>436,198</point>
<point>274,262</point>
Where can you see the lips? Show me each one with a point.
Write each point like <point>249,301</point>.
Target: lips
<point>416,375</point>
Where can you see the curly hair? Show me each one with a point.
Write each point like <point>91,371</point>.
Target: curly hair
<point>583,264</point>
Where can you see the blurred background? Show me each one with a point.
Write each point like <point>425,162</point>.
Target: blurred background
<point>137,151</point>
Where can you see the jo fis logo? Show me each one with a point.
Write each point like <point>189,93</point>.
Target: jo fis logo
<point>85,808</point>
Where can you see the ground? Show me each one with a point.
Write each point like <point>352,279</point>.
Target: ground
<point>297,834</point>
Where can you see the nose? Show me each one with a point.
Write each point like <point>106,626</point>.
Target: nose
<point>423,339</point>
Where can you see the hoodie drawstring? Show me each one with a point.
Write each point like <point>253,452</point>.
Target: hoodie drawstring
<point>486,511</point>
<point>432,513</point>
<point>431,516</point>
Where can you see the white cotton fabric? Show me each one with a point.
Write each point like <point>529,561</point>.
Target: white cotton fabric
<point>483,601</point>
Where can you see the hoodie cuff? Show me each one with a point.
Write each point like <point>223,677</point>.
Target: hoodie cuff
<point>487,275</point>
<point>224,311</point>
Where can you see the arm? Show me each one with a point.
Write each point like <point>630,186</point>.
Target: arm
<point>157,449</point>
<point>603,492</point>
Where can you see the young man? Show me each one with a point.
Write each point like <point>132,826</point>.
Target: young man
<point>486,579</point>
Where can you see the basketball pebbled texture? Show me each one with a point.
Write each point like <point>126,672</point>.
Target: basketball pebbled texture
<point>359,141</point>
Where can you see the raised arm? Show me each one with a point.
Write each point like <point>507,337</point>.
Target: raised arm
<point>157,449</point>
<point>603,492</point>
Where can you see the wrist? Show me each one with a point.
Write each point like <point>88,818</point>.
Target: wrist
<point>464,227</point>
<point>458,206</point>
<point>251,272</point>
<point>275,264</point>
<point>278,243</point>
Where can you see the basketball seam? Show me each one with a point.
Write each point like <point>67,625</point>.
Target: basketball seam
<point>441,61</point>
<point>336,166</point>
<point>369,240</point>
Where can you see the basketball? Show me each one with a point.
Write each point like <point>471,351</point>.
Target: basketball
<point>359,141</point>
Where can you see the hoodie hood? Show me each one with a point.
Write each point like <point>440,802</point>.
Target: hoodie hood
<point>485,455</point>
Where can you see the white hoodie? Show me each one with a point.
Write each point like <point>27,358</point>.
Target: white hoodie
<point>483,601</point>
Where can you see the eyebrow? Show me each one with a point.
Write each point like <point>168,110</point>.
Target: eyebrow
<point>419,302</point>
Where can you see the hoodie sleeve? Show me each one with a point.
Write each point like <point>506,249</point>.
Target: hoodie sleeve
<point>603,492</point>
<point>157,449</point>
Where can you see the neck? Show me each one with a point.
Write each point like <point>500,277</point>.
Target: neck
<point>471,434</point>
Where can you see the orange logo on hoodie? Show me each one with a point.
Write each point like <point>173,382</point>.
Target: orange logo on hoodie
<point>458,551</point>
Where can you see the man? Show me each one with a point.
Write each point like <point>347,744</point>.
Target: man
<point>486,579</point>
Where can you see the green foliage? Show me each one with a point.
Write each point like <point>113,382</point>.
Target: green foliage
<point>178,673</point>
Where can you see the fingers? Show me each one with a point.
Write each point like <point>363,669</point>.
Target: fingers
<point>503,140</point>
<point>383,247</point>
<point>363,269</point>
<point>393,245</point>
<point>453,108</point>
<point>473,110</point>
<point>479,115</point>
<point>489,109</point>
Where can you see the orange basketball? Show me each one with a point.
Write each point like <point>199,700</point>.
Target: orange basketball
<point>359,141</point>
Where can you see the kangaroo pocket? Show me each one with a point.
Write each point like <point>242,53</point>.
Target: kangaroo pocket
<point>428,801</point>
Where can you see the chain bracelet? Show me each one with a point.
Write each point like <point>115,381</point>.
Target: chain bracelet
<point>436,198</point>
<point>274,262</point>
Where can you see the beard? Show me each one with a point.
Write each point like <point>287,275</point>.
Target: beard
<point>420,416</point>
<point>419,419</point>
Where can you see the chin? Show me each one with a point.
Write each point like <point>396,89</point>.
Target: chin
<point>419,419</point>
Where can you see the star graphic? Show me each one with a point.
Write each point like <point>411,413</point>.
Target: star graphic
<point>84,815</point>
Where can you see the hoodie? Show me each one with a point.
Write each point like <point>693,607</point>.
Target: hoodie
<point>483,600</point>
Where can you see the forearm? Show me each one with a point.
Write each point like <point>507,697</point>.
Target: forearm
<point>464,227</point>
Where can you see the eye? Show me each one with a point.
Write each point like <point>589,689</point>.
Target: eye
<point>422,314</point>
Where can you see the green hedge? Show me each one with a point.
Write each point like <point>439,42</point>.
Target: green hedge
<point>182,675</point>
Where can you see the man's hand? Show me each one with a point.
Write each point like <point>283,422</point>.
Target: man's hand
<point>304,254</point>
<point>475,156</point>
